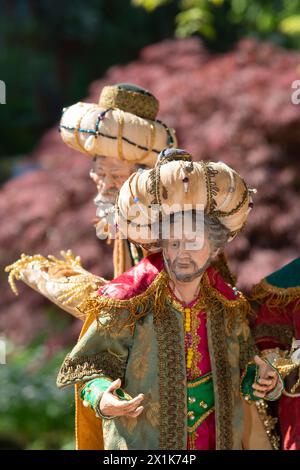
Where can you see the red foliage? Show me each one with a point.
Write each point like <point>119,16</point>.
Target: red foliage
<point>235,107</point>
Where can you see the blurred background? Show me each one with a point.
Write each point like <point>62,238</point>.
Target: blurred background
<point>223,72</point>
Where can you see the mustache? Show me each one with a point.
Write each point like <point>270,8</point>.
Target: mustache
<point>187,277</point>
<point>190,277</point>
<point>107,198</point>
<point>186,261</point>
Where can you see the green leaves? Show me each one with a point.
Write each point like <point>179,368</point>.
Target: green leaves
<point>290,25</point>
<point>195,20</point>
<point>149,5</point>
<point>222,22</point>
<point>34,414</point>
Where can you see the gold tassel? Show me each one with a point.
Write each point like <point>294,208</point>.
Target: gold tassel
<point>275,297</point>
<point>284,365</point>
<point>15,269</point>
<point>154,298</point>
<point>137,307</point>
<point>235,311</point>
<point>221,265</point>
<point>119,256</point>
<point>75,282</point>
<point>61,265</point>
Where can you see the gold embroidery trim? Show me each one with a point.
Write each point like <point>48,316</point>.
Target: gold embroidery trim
<point>221,265</point>
<point>85,368</point>
<point>275,297</point>
<point>236,208</point>
<point>153,182</point>
<point>269,423</point>
<point>200,381</point>
<point>196,339</point>
<point>222,315</point>
<point>236,310</point>
<point>210,203</point>
<point>280,332</point>
<point>222,383</point>
<point>195,324</point>
<point>172,383</point>
<point>153,298</point>
<point>192,441</point>
<point>248,350</point>
<point>200,420</point>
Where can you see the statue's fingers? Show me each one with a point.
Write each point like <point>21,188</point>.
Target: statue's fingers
<point>271,373</point>
<point>265,382</point>
<point>130,405</point>
<point>114,385</point>
<point>260,388</point>
<point>136,413</point>
<point>259,361</point>
<point>135,400</point>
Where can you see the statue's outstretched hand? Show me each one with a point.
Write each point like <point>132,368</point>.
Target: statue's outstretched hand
<point>267,378</point>
<point>110,405</point>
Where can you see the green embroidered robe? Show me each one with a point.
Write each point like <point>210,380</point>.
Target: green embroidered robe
<point>138,336</point>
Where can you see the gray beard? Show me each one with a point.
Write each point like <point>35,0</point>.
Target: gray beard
<point>186,277</point>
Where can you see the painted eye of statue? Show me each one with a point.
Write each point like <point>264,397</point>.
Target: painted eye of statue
<point>117,177</point>
<point>194,244</point>
<point>99,174</point>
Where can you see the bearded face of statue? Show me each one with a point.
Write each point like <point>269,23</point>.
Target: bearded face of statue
<point>108,174</point>
<point>188,257</point>
<point>189,251</point>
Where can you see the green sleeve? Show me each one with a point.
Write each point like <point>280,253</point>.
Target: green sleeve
<point>249,376</point>
<point>100,353</point>
<point>92,392</point>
